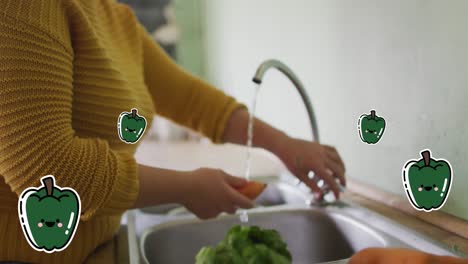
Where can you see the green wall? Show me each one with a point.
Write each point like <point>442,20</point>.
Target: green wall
<point>190,48</point>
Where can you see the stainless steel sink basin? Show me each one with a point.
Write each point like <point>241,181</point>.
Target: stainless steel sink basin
<point>312,235</point>
<point>315,233</point>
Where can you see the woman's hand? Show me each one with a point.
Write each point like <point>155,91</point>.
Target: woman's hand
<point>205,192</point>
<point>210,192</point>
<point>302,156</point>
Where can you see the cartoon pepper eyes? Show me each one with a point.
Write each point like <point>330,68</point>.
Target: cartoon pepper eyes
<point>130,130</point>
<point>371,131</point>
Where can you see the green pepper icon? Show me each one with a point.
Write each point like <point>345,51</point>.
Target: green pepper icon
<point>427,182</point>
<point>49,215</point>
<point>131,126</point>
<point>371,128</point>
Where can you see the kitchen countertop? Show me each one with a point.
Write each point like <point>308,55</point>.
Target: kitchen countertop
<point>452,240</point>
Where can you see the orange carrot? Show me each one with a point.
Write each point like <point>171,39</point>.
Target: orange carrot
<point>401,256</point>
<point>252,189</point>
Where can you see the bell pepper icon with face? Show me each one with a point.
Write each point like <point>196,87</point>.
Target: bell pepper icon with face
<point>131,126</point>
<point>49,215</point>
<point>427,182</point>
<point>371,127</point>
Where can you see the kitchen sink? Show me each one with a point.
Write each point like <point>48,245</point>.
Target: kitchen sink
<point>313,236</point>
<point>314,232</point>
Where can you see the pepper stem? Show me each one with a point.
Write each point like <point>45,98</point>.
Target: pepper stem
<point>134,112</point>
<point>372,114</point>
<point>426,156</point>
<point>49,185</point>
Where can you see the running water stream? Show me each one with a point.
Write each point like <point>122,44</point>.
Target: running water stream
<point>244,217</point>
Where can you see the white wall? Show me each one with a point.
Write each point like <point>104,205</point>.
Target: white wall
<point>406,59</point>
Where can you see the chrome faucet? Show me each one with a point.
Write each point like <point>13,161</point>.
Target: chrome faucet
<point>262,69</point>
<point>265,66</point>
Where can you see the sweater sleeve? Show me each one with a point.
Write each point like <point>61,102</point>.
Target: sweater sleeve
<point>182,97</point>
<point>37,137</point>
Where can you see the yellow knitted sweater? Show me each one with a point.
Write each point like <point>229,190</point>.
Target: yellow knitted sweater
<point>68,68</point>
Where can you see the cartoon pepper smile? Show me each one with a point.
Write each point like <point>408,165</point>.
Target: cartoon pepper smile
<point>427,182</point>
<point>49,215</point>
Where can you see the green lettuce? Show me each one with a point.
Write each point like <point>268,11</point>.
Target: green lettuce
<point>247,245</point>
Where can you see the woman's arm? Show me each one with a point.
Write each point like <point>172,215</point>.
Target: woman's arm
<point>182,97</point>
<point>299,156</point>
<point>160,186</point>
<point>37,137</point>
<point>265,136</point>
<point>205,192</point>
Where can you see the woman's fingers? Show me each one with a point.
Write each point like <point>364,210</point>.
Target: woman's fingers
<point>239,200</point>
<point>230,209</point>
<point>234,199</point>
<point>324,173</point>
<point>207,214</point>
<point>336,164</point>
<point>311,184</point>
<point>327,176</point>
<point>337,170</point>
<point>333,154</point>
<point>235,182</point>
